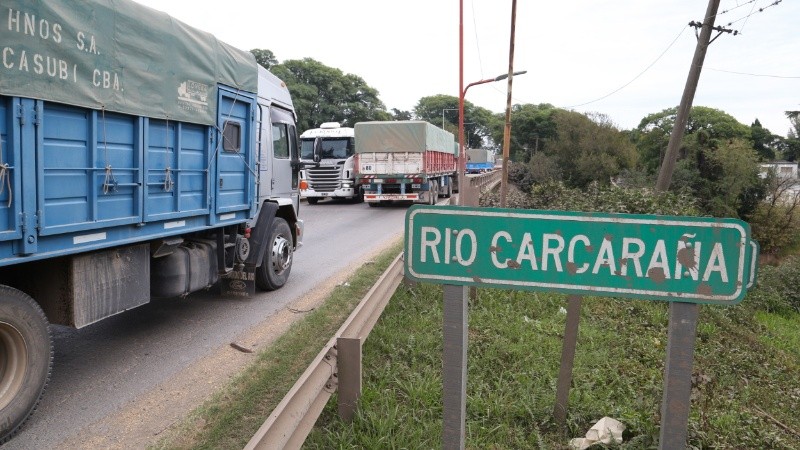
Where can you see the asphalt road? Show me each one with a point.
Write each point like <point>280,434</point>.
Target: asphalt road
<point>102,368</point>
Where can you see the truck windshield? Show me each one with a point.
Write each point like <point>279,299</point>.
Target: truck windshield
<point>332,148</point>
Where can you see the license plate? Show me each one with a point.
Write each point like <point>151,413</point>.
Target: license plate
<point>416,186</point>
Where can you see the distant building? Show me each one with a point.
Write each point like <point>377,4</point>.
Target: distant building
<point>783,169</point>
<point>788,188</point>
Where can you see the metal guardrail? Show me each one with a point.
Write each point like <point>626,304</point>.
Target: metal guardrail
<point>476,185</point>
<point>338,365</point>
<point>485,181</point>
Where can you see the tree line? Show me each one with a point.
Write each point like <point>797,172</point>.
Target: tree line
<point>718,162</point>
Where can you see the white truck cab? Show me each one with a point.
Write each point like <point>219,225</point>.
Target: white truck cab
<point>328,156</point>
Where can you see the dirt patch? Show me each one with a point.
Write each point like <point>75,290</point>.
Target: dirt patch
<point>149,418</point>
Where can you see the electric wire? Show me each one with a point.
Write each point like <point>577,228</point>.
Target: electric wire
<point>754,74</point>
<point>637,76</point>
<point>477,42</point>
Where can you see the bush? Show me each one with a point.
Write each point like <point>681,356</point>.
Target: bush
<point>612,199</point>
<point>777,289</point>
<point>776,227</point>
<point>520,175</point>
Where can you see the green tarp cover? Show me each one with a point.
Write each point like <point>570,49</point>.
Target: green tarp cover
<point>402,136</point>
<point>117,55</point>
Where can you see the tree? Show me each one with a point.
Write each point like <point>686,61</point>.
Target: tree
<point>791,145</point>
<point>326,94</point>
<point>478,122</point>
<point>718,158</point>
<point>401,115</point>
<point>543,168</point>
<point>728,182</point>
<point>764,142</point>
<point>704,129</point>
<point>776,221</point>
<point>589,149</point>
<point>532,127</point>
<point>264,57</point>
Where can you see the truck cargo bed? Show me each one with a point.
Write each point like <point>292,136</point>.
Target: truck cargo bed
<point>408,164</point>
<point>77,179</point>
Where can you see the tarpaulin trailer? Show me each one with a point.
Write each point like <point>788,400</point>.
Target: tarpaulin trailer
<point>139,158</point>
<point>410,160</point>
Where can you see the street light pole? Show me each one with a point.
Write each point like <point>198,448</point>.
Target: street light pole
<point>462,162</point>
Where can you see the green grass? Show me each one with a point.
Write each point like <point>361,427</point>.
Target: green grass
<point>746,364</point>
<point>746,374</point>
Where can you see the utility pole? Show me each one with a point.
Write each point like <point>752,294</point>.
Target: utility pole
<point>703,41</point>
<point>682,327</point>
<point>507,129</point>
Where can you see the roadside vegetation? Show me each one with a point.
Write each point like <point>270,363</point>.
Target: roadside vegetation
<point>746,389</point>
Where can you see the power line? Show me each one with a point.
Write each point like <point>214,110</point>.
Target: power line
<point>637,76</point>
<point>755,74</point>
<point>477,43</point>
<point>753,12</point>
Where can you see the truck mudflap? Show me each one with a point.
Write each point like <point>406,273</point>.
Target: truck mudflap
<point>241,281</point>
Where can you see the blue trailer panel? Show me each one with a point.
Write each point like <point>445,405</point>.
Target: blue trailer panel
<point>145,159</point>
<point>94,179</point>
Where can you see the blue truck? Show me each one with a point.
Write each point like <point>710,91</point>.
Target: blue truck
<point>479,160</point>
<point>140,158</point>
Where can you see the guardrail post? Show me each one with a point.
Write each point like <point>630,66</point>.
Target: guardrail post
<point>349,361</point>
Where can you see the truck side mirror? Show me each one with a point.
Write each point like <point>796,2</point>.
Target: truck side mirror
<point>317,150</point>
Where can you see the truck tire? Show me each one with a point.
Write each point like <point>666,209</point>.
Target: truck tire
<point>359,197</point>
<point>312,200</point>
<point>277,263</point>
<point>449,188</point>
<point>26,358</point>
<point>433,193</point>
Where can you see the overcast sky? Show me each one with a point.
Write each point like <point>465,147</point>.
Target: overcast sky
<point>622,58</point>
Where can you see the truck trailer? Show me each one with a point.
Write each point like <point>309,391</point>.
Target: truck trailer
<point>140,158</point>
<point>479,160</point>
<point>409,160</point>
<point>328,154</point>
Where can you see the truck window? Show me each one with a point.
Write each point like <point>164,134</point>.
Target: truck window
<point>331,148</point>
<point>307,149</point>
<point>231,137</point>
<point>280,140</point>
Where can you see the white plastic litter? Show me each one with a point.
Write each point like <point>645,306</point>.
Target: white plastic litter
<point>605,431</point>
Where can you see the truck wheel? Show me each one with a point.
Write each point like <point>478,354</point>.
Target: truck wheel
<point>26,357</point>
<point>433,193</point>
<point>277,264</point>
<point>358,198</point>
<point>312,200</point>
<point>373,204</point>
<point>449,189</point>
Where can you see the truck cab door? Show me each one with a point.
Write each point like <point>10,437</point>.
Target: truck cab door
<point>285,156</point>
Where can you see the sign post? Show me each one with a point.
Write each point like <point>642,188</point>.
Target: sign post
<point>686,260</point>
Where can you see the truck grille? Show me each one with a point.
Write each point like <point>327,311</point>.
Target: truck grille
<point>323,178</point>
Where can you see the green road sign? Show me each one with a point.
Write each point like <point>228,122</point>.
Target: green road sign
<point>688,259</point>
